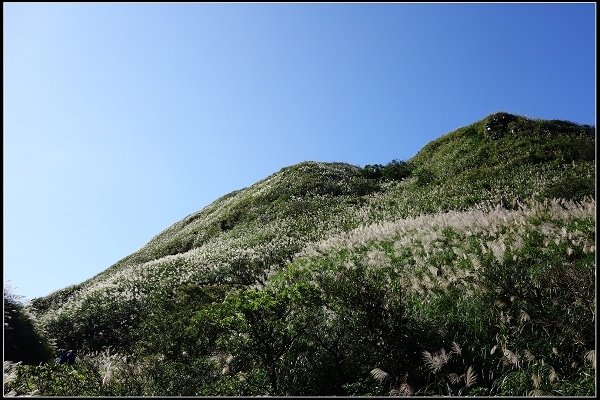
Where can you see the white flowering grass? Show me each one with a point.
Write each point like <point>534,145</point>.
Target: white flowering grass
<point>420,253</point>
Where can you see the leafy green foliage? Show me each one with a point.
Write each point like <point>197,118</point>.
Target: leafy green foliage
<point>98,325</point>
<point>394,170</point>
<point>168,327</point>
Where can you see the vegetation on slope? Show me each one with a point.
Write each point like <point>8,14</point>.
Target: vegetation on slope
<point>468,269</point>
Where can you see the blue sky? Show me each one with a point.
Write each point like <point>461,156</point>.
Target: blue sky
<point>121,119</point>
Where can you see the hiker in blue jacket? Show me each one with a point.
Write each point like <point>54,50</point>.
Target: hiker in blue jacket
<point>61,357</point>
<point>71,357</point>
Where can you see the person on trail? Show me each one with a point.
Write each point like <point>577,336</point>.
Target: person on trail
<point>61,357</point>
<point>71,357</point>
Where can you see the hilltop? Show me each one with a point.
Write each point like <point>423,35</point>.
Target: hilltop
<point>464,270</point>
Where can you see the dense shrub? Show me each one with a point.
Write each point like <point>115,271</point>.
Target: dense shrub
<point>424,176</point>
<point>394,170</point>
<point>498,125</point>
<point>23,341</point>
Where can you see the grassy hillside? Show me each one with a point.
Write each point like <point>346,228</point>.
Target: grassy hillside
<point>468,269</point>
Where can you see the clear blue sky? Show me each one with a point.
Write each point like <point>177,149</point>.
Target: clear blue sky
<point>121,119</point>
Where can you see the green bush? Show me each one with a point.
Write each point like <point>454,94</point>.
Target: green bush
<point>395,170</point>
<point>23,341</point>
<point>424,176</point>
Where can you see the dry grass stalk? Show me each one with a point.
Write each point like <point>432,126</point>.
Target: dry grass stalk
<point>509,357</point>
<point>436,361</point>
<point>379,375</point>
<point>108,375</point>
<point>454,378</point>
<point>528,355</point>
<point>403,390</point>
<point>537,380</point>
<point>523,317</point>
<point>591,357</point>
<point>456,349</point>
<point>470,377</point>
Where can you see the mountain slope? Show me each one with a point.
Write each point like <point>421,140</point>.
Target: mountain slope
<point>294,236</point>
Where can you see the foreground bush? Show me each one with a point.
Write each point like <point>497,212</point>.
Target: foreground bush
<point>22,340</point>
